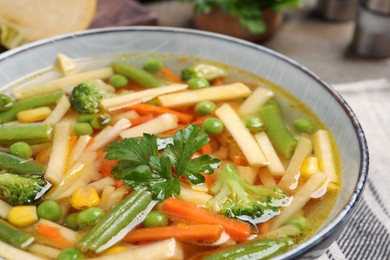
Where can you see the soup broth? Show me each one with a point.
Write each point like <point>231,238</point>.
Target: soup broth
<point>172,157</point>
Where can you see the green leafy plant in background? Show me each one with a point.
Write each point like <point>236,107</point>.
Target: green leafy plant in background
<point>249,12</point>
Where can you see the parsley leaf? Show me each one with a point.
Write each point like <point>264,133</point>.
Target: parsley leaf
<point>141,167</point>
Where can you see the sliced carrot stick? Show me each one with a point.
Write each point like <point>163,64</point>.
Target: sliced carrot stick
<point>187,211</point>
<point>217,82</point>
<point>169,75</point>
<point>54,234</point>
<point>239,159</point>
<point>264,227</point>
<point>141,119</point>
<point>156,110</point>
<point>206,149</point>
<point>209,179</point>
<point>201,232</point>
<point>172,131</point>
<point>106,165</point>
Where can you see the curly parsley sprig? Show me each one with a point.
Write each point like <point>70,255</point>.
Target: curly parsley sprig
<point>147,163</point>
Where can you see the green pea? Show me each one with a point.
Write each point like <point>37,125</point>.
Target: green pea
<point>198,83</point>
<point>5,102</point>
<point>100,120</point>
<point>303,125</point>
<point>71,221</point>
<point>70,254</point>
<point>205,108</point>
<point>156,219</point>
<point>50,210</point>
<point>21,149</point>
<point>153,65</point>
<point>118,81</point>
<point>89,217</point>
<point>254,123</point>
<point>83,129</point>
<point>213,126</point>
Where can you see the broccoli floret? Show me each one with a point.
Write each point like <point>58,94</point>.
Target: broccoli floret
<point>206,71</point>
<point>236,198</point>
<point>85,98</point>
<point>21,190</point>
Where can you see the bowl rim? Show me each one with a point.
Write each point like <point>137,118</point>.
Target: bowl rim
<point>341,216</point>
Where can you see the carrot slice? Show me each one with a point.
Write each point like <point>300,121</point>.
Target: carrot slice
<point>141,119</point>
<point>186,211</point>
<point>54,234</point>
<point>200,232</point>
<point>169,75</point>
<point>156,110</point>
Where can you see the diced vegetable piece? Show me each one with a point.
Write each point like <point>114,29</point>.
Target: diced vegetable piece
<point>43,250</point>
<point>195,197</point>
<point>59,111</point>
<point>125,215</point>
<point>100,184</point>
<point>275,165</point>
<point>84,197</point>
<point>301,197</point>
<point>20,166</point>
<point>309,166</point>
<point>13,236</point>
<point>253,103</point>
<point>33,115</point>
<point>168,249</point>
<point>126,100</point>
<point>113,198</point>
<point>21,216</point>
<point>323,149</point>
<point>105,197</point>
<point>50,210</point>
<point>289,181</point>
<point>241,135</point>
<point>276,130</point>
<point>116,250</point>
<point>4,209</point>
<point>205,233</point>
<point>21,149</point>
<point>256,249</point>
<point>157,125</point>
<point>29,133</point>
<point>192,97</point>
<point>9,252</point>
<point>61,83</point>
<point>66,64</point>
<point>30,103</point>
<point>59,153</point>
<point>192,213</point>
<point>55,235</point>
<point>140,76</point>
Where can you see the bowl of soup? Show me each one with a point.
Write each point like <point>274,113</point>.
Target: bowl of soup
<point>167,143</point>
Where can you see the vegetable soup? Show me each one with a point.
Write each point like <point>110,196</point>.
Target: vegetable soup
<point>159,157</point>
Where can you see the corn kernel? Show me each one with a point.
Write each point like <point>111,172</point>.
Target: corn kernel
<point>21,216</point>
<point>33,115</point>
<point>309,166</point>
<point>115,250</point>
<point>84,197</point>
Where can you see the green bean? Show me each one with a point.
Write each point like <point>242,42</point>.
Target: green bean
<point>18,165</point>
<point>13,236</point>
<point>303,125</point>
<point>140,76</point>
<point>89,217</point>
<point>276,130</point>
<point>256,249</point>
<point>29,133</point>
<point>50,210</point>
<point>5,102</point>
<point>29,103</point>
<point>21,149</point>
<point>120,217</point>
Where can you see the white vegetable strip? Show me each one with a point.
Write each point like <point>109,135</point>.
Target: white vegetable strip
<point>66,64</point>
<point>196,197</point>
<point>100,184</point>
<point>10,252</point>
<point>4,209</point>
<point>275,166</point>
<point>266,178</point>
<point>109,134</point>
<point>59,153</point>
<point>79,147</point>
<point>128,114</point>
<point>59,111</point>
<point>323,149</point>
<point>247,173</point>
<point>241,135</point>
<point>301,197</point>
<point>60,84</point>
<point>46,251</point>
<point>122,101</point>
<point>252,104</point>
<point>219,93</point>
<point>106,197</point>
<point>290,178</point>
<point>157,125</point>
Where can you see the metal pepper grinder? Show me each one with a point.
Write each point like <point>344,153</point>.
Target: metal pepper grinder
<point>372,32</point>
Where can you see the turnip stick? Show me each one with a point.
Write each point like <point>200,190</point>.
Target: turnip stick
<point>59,111</point>
<point>241,135</point>
<point>290,178</point>
<point>192,97</point>
<point>10,252</point>
<point>79,147</point>
<point>301,197</point>
<point>266,178</point>
<point>255,101</point>
<point>275,166</point>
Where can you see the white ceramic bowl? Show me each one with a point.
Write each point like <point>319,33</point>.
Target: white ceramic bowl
<point>302,83</point>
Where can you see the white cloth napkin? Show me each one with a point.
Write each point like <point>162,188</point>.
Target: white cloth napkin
<point>367,235</point>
